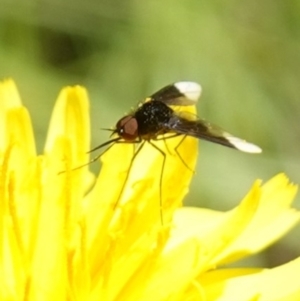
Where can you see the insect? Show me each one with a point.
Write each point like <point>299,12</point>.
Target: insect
<point>155,119</point>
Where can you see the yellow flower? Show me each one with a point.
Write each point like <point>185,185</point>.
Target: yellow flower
<point>74,236</point>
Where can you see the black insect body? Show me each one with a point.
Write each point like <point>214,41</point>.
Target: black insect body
<point>147,122</point>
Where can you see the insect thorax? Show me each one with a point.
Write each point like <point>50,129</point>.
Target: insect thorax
<point>151,118</point>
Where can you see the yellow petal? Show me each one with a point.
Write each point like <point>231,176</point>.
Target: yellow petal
<point>70,119</point>
<point>15,125</point>
<point>17,178</point>
<point>263,216</point>
<point>120,241</point>
<point>125,221</point>
<point>273,219</point>
<point>201,237</point>
<point>277,284</point>
<point>214,231</point>
<point>190,251</point>
<point>58,235</point>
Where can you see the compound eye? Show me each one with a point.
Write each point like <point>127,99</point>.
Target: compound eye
<point>127,128</point>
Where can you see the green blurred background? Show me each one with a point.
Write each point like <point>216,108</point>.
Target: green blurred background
<point>245,54</point>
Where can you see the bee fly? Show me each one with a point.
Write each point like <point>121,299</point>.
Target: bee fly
<point>155,117</point>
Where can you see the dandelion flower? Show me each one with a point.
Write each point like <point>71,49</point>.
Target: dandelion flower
<point>73,236</point>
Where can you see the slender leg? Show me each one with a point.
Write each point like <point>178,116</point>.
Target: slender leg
<point>130,166</point>
<point>160,181</point>
<point>178,154</point>
<point>176,148</point>
<point>167,137</point>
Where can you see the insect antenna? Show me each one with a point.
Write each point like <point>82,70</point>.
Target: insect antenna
<point>110,130</point>
<point>110,142</point>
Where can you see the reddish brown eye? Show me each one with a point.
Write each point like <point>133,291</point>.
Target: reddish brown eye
<point>127,128</point>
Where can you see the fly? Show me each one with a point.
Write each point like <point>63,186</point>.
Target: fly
<point>155,117</point>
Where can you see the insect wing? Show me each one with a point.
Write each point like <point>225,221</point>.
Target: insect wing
<point>205,130</point>
<point>179,94</point>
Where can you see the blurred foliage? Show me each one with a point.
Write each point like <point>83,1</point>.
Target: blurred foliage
<point>246,55</point>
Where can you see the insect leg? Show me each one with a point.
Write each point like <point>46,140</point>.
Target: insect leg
<point>160,180</point>
<point>178,154</point>
<point>167,137</point>
<point>130,166</point>
<point>176,148</point>
<point>164,138</point>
